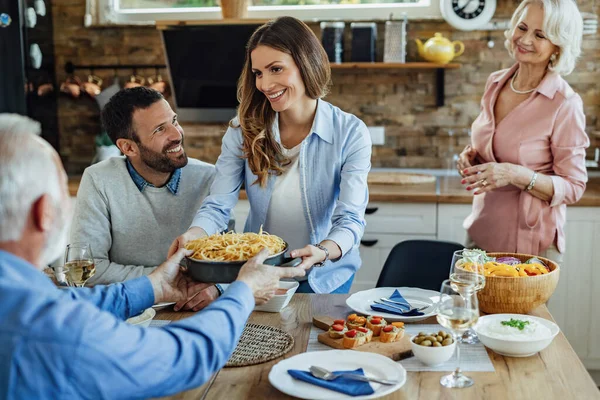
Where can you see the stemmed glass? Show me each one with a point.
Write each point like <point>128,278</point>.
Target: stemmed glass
<point>79,263</point>
<point>457,312</point>
<point>467,274</point>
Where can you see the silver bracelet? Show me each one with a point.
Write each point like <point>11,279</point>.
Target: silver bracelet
<point>532,183</point>
<point>319,246</point>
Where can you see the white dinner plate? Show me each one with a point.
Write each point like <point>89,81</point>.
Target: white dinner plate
<point>373,364</point>
<point>160,306</point>
<point>361,302</point>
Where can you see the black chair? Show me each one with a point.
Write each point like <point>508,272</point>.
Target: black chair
<point>423,264</point>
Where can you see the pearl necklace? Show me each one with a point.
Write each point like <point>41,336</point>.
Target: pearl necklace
<point>512,86</point>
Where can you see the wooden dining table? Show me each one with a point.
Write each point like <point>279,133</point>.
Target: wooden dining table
<point>554,373</point>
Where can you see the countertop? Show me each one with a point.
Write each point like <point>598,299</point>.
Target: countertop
<point>446,190</point>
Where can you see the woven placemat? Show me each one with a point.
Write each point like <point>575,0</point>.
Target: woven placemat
<point>259,344</point>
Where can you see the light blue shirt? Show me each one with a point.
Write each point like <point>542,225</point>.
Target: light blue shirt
<point>335,160</point>
<point>71,344</point>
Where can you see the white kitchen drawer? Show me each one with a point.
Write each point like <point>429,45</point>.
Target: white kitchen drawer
<point>401,218</point>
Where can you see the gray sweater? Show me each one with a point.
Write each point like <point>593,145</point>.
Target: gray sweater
<point>130,231</point>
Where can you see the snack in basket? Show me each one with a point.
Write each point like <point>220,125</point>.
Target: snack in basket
<point>337,330</point>
<point>354,321</point>
<point>510,267</point>
<point>392,332</point>
<point>375,323</point>
<point>233,246</point>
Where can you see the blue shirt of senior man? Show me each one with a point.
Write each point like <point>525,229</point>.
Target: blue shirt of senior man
<point>73,343</point>
<point>335,159</point>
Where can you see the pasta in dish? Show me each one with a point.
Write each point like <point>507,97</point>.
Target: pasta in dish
<point>234,246</point>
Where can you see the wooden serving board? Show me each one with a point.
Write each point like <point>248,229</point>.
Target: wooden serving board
<point>396,350</point>
<point>398,178</point>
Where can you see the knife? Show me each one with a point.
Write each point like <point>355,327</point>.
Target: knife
<point>403,310</point>
<point>407,306</point>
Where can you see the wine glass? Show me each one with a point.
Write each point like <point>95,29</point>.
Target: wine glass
<point>467,273</point>
<point>79,263</point>
<point>457,311</point>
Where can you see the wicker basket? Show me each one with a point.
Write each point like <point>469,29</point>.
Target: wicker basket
<point>518,295</point>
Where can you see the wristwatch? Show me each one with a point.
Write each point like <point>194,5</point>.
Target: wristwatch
<point>219,288</point>
<point>320,264</point>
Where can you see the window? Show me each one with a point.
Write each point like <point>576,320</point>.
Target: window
<point>149,11</point>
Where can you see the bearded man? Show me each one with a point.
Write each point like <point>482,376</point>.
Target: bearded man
<point>130,208</point>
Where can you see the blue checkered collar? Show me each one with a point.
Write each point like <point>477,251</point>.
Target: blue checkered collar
<point>141,183</point>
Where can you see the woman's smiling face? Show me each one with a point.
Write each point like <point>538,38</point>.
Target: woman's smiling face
<point>278,77</point>
<point>529,42</point>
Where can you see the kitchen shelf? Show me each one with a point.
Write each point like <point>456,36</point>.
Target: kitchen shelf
<point>347,66</point>
<point>385,65</point>
<point>440,70</point>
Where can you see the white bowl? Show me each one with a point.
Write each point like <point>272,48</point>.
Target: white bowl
<point>432,355</point>
<point>278,302</point>
<point>142,319</point>
<point>515,347</point>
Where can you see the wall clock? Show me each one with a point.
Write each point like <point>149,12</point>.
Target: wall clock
<point>467,15</point>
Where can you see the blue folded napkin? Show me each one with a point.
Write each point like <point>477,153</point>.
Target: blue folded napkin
<point>397,297</point>
<point>342,385</point>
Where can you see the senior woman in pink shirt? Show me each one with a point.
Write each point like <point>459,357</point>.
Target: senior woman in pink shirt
<point>527,157</point>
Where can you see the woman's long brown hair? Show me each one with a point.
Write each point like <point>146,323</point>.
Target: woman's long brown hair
<point>255,115</point>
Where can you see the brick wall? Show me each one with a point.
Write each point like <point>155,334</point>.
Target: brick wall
<point>417,133</point>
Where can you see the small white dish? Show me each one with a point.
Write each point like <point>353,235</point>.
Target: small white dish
<point>511,347</point>
<point>163,305</point>
<point>373,364</point>
<point>432,356</point>
<point>361,302</point>
<point>144,319</point>
<point>280,301</point>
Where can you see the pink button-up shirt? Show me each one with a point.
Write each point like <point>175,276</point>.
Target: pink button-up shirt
<point>545,133</point>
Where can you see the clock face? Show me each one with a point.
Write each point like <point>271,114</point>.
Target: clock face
<point>468,9</point>
<point>468,14</point>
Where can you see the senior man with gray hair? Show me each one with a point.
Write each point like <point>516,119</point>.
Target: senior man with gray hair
<point>74,343</point>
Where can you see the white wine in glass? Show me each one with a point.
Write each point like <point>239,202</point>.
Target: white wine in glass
<point>457,312</point>
<point>79,263</point>
<point>467,274</point>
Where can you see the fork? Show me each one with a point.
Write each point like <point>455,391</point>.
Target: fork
<point>327,375</point>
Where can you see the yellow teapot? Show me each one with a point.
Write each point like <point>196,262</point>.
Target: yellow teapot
<point>439,50</point>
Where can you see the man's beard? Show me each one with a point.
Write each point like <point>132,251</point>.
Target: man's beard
<point>161,162</point>
<point>57,237</point>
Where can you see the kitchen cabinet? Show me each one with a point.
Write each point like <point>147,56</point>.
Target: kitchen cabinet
<point>450,220</point>
<point>574,304</point>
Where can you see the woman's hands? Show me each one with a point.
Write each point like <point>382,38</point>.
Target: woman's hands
<point>489,176</point>
<point>466,159</point>
<point>311,254</point>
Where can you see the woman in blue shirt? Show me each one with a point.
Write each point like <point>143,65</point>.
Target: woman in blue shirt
<point>304,162</point>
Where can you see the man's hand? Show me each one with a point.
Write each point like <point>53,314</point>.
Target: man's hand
<point>168,281</point>
<point>179,243</point>
<point>200,295</point>
<point>262,279</point>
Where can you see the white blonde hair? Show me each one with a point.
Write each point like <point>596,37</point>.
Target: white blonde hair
<point>563,26</point>
<point>27,171</point>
